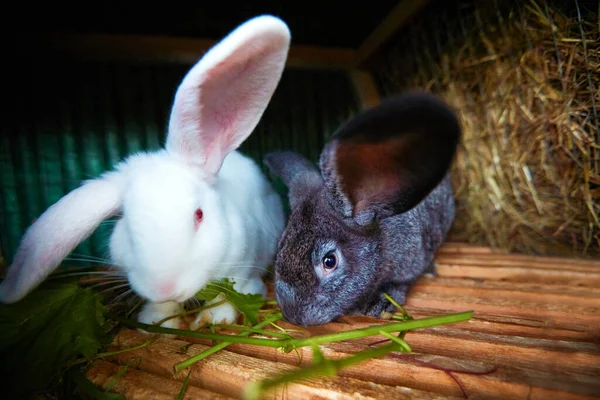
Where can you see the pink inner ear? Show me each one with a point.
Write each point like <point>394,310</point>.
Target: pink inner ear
<point>368,173</point>
<point>229,109</point>
<point>222,98</point>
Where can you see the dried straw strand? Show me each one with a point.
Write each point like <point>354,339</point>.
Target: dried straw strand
<point>525,80</point>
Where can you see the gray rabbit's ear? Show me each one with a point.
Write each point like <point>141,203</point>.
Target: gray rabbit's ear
<point>298,173</point>
<point>386,159</point>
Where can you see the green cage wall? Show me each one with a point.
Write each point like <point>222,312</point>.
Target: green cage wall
<point>68,121</point>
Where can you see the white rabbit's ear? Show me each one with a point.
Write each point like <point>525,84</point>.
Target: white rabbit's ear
<point>57,232</point>
<point>223,97</point>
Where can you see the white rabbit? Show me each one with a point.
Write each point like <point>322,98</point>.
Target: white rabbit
<point>192,212</point>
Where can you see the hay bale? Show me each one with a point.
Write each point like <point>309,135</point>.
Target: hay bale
<point>527,176</point>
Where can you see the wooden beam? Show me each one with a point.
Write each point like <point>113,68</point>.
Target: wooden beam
<point>365,87</point>
<point>173,50</point>
<point>399,15</point>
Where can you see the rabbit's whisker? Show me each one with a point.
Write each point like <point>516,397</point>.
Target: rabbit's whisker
<point>87,260</point>
<point>114,287</point>
<point>112,279</point>
<point>245,262</point>
<point>110,283</point>
<point>136,305</point>
<point>85,256</point>
<point>105,274</point>
<point>122,295</point>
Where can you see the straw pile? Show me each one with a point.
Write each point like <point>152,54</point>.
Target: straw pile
<point>527,177</point>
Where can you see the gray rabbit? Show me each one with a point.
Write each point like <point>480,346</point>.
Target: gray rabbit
<point>371,221</point>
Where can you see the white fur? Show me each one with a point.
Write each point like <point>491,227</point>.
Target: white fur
<point>155,312</point>
<point>156,242</point>
<point>166,258</point>
<point>72,219</point>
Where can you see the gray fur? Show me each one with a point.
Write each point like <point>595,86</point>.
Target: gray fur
<point>384,247</point>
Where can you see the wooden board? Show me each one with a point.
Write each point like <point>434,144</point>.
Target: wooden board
<point>535,334</point>
<point>169,50</point>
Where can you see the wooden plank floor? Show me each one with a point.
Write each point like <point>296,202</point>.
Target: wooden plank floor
<point>535,334</point>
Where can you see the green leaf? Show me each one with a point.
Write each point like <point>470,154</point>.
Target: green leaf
<point>247,304</point>
<point>213,289</point>
<point>54,324</point>
<point>317,355</point>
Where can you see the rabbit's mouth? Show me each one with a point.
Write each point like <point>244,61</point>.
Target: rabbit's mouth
<point>310,315</point>
<point>178,299</point>
<point>183,299</point>
<point>161,293</point>
<point>182,296</point>
<point>298,311</point>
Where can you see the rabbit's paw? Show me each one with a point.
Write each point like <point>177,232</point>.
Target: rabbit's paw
<point>253,285</point>
<point>154,312</point>
<point>224,313</point>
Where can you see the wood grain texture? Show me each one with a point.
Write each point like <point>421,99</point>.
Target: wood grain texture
<point>135,384</point>
<point>531,337</point>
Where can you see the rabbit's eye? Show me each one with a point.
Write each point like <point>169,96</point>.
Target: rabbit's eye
<point>198,215</point>
<point>329,261</point>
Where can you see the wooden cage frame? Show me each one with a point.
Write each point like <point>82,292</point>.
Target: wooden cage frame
<point>179,50</point>
<point>533,312</point>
